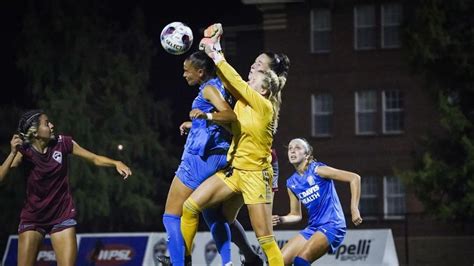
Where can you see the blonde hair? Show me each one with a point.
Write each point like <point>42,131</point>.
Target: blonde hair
<point>272,83</point>
<point>29,135</point>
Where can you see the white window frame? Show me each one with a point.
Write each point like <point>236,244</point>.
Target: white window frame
<point>365,195</point>
<point>315,112</point>
<point>322,29</point>
<point>356,27</point>
<point>386,196</point>
<point>386,110</point>
<point>357,111</point>
<point>384,24</point>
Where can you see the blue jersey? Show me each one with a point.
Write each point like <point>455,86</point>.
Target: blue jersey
<point>207,137</point>
<point>318,195</point>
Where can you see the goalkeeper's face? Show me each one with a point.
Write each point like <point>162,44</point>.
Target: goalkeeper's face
<point>256,82</point>
<point>262,63</point>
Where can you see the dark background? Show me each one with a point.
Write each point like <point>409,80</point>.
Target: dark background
<point>166,81</point>
<point>166,72</point>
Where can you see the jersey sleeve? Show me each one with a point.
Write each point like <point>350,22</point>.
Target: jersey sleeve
<point>315,167</point>
<point>234,83</point>
<point>25,151</point>
<point>66,143</point>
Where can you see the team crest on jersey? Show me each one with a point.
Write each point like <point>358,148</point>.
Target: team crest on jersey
<point>58,156</point>
<point>311,181</point>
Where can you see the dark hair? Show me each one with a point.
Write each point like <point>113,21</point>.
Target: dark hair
<point>279,63</point>
<point>201,60</point>
<point>28,120</point>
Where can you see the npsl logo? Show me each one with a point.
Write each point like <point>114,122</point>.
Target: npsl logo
<point>46,255</point>
<point>353,252</point>
<point>111,254</point>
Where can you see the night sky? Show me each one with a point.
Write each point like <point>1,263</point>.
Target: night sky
<point>166,71</point>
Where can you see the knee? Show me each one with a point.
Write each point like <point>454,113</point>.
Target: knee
<point>287,258</point>
<point>261,230</point>
<point>191,208</point>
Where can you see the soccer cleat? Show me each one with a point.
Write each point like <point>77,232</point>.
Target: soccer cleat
<point>164,260</point>
<point>188,261</point>
<point>215,30</point>
<point>256,262</point>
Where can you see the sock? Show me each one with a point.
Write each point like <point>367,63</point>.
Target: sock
<point>220,232</point>
<point>299,261</point>
<point>175,238</point>
<point>271,249</point>
<point>240,239</point>
<point>189,223</point>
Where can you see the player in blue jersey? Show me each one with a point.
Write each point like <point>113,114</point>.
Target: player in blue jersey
<point>312,184</point>
<point>204,154</point>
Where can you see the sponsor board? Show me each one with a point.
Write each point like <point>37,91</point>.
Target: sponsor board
<point>364,247</point>
<point>46,256</point>
<point>112,249</point>
<point>360,247</point>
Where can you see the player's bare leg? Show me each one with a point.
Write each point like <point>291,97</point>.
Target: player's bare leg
<point>65,246</point>
<point>28,246</point>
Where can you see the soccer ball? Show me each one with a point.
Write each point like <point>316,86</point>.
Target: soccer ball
<point>176,38</point>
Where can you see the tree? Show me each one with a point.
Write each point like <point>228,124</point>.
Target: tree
<point>90,73</point>
<point>439,44</point>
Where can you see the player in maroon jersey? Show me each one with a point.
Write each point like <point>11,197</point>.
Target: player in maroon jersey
<point>49,207</point>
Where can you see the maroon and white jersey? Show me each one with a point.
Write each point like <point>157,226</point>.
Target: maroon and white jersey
<point>48,195</point>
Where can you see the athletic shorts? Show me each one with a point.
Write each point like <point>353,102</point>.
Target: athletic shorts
<point>255,186</point>
<point>276,172</point>
<point>194,169</point>
<point>46,229</point>
<point>334,233</point>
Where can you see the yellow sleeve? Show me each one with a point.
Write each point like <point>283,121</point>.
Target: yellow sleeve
<point>239,88</point>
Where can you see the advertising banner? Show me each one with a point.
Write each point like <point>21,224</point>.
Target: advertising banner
<point>360,247</point>
<point>46,256</point>
<point>125,249</point>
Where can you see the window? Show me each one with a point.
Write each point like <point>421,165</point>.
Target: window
<point>391,16</point>
<point>320,30</point>
<point>364,27</point>
<point>321,110</point>
<point>366,109</point>
<point>392,105</point>
<point>394,198</point>
<point>368,198</point>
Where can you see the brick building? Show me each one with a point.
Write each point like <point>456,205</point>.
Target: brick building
<point>352,95</point>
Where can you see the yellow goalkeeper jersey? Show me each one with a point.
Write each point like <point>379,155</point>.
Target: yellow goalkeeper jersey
<point>253,132</point>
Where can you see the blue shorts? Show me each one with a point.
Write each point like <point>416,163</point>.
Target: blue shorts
<point>334,233</point>
<point>194,169</point>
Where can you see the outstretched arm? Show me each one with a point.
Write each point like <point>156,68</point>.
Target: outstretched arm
<point>99,160</point>
<point>14,157</point>
<point>234,83</point>
<point>353,179</point>
<point>295,212</point>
